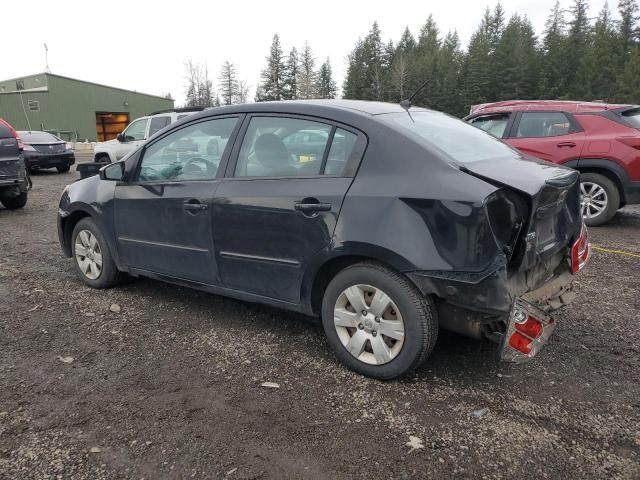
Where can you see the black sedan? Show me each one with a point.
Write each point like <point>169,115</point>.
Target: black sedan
<point>45,150</point>
<point>405,221</point>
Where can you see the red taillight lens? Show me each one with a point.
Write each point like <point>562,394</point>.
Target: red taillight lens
<point>633,142</point>
<point>520,342</point>
<point>530,327</point>
<point>580,251</point>
<point>13,132</point>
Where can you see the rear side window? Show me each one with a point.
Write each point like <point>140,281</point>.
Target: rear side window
<point>455,138</point>
<point>493,124</point>
<point>283,147</point>
<point>543,124</point>
<point>157,124</point>
<point>632,117</point>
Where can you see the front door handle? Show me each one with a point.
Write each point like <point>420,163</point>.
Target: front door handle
<point>567,144</point>
<point>311,207</point>
<point>193,205</point>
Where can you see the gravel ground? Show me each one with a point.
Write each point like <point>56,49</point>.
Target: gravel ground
<point>170,387</point>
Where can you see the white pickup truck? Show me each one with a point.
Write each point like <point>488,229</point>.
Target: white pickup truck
<point>137,132</point>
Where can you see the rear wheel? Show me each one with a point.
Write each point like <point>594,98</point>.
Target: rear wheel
<point>91,255</point>
<point>14,203</point>
<point>377,323</point>
<point>599,200</point>
<point>63,168</point>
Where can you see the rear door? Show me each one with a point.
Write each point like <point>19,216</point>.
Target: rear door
<point>553,136</point>
<point>278,205</point>
<point>10,158</point>
<point>163,216</point>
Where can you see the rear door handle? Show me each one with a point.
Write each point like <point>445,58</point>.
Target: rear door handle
<point>567,144</point>
<point>194,205</point>
<point>312,207</point>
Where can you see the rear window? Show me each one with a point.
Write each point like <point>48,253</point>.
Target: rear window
<point>457,139</point>
<point>632,117</point>
<point>38,137</point>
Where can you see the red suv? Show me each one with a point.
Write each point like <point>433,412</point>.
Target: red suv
<point>600,140</point>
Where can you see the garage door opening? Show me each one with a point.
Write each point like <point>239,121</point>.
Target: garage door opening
<point>110,124</point>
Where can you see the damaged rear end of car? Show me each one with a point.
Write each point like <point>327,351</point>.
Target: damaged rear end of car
<point>511,255</point>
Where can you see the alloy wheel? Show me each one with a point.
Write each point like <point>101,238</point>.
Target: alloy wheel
<point>369,324</point>
<point>593,199</point>
<point>88,254</point>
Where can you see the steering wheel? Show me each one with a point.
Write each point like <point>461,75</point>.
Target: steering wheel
<point>190,166</point>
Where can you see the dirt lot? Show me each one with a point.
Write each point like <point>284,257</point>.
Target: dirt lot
<point>170,387</point>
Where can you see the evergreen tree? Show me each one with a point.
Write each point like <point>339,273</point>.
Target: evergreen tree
<point>326,85</point>
<point>228,83</point>
<point>355,78</point>
<point>476,76</point>
<point>272,78</point>
<point>605,55</point>
<point>368,68</point>
<point>307,76</point>
<point>291,75</point>
<point>450,58</point>
<point>628,85</point>
<point>577,60</point>
<point>627,29</point>
<point>400,78</point>
<point>552,82</point>
<point>426,63</point>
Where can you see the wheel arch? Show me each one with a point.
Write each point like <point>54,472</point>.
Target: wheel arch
<point>329,265</point>
<point>603,166</point>
<point>68,223</point>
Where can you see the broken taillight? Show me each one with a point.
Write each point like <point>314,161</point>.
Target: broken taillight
<point>531,327</point>
<point>580,251</point>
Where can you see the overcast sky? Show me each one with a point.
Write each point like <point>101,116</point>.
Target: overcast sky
<point>143,45</point>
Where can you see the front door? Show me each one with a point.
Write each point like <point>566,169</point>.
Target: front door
<point>132,137</point>
<point>163,217</point>
<point>551,136</point>
<point>280,205</point>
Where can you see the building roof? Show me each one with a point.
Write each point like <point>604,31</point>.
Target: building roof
<point>47,74</point>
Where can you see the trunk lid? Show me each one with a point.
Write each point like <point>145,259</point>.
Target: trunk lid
<point>552,192</point>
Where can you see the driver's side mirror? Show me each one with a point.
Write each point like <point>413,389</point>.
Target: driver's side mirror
<point>113,172</point>
<point>120,137</point>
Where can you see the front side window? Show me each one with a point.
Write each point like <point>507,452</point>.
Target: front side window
<point>493,124</point>
<point>543,124</point>
<point>191,153</point>
<point>135,131</point>
<point>157,124</point>
<point>282,147</point>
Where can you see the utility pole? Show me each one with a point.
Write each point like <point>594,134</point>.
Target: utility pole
<point>46,59</point>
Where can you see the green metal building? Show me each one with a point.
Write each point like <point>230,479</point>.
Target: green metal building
<point>75,109</point>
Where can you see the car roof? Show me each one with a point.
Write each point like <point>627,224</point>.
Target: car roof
<point>545,105</point>
<point>361,107</point>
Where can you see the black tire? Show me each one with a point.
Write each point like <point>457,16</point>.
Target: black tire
<point>418,313</point>
<point>110,275</point>
<point>14,203</point>
<point>103,158</point>
<point>64,168</point>
<point>613,198</point>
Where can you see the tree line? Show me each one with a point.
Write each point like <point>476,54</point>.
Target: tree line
<point>576,58</point>
<point>291,77</point>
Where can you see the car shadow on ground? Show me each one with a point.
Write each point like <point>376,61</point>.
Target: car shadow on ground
<point>454,356</point>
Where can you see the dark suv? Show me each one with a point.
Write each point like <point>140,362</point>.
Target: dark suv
<point>387,223</point>
<point>14,180</point>
<point>600,140</point>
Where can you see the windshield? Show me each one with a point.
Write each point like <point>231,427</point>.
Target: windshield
<point>457,139</point>
<point>38,137</point>
<point>632,117</point>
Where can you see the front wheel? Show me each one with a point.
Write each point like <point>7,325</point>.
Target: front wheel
<point>377,322</point>
<point>63,168</point>
<point>599,200</point>
<point>14,203</point>
<point>91,255</point>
